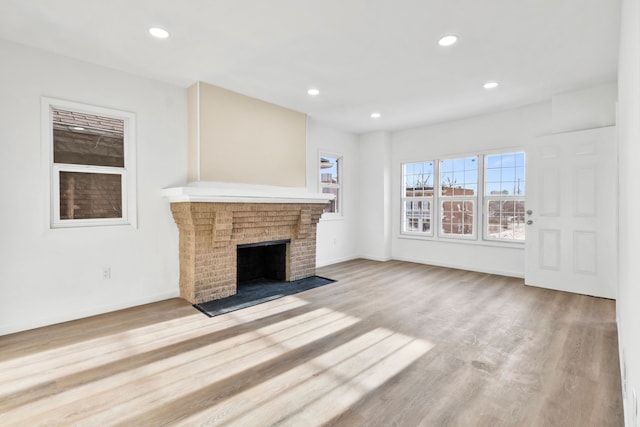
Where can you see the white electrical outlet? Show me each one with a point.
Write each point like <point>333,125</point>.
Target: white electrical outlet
<point>106,273</point>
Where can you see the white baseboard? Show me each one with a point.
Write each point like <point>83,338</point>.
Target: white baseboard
<point>376,258</point>
<point>507,273</point>
<point>324,263</point>
<point>30,322</point>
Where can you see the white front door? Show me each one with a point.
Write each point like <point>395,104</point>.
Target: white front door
<point>571,206</point>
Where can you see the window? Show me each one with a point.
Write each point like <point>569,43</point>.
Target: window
<point>331,181</point>
<point>504,191</point>
<point>469,201</point>
<point>91,160</point>
<point>417,197</point>
<point>458,195</point>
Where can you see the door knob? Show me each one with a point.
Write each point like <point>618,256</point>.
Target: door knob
<point>529,222</point>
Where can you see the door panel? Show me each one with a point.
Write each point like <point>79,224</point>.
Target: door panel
<point>584,181</point>
<point>550,193</point>
<point>571,240</point>
<point>549,258</point>
<point>585,254</point>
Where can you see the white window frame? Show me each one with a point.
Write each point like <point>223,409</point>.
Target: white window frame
<point>459,198</point>
<point>52,170</point>
<point>428,199</point>
<point>339,185</point>
<point>480,222</point>
<point>487,198</point>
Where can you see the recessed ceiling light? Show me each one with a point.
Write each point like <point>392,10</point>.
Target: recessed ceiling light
<point>448,40</point>
<point>313,92</point>
<point>490,85</point>
<point>375,115</point>
<point>158,32</point>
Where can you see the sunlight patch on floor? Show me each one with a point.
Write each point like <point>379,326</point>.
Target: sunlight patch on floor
<point>17,374</point>
<point>321,389</point>
<point>107,400</point>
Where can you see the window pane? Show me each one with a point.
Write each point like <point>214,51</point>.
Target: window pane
<point>505,174</point>
<point>470,177</point>
<point>418,179</point>
<point>520,180</point>
<point>447,180</point>
<point>457,217</point>
<point>492,175</point>
<point>329,170</point>
<point>417,216</point>
<point>408,169</point>
<point>332,206</point>
<point>459,177</point>
<point>506,220</point>
<point>90,195</point>
<point>508,160</point>
<point>494,161</point>
<point>492,188</point>
<point>87,139</point>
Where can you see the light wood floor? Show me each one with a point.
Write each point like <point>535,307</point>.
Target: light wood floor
<point>389,344</point>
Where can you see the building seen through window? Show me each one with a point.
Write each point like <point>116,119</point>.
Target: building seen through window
<point>330,181</point>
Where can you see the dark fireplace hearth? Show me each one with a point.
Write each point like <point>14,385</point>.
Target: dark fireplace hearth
<point>262,261</point>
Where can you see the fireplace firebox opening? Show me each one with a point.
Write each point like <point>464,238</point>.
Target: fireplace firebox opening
<point>265,261</point>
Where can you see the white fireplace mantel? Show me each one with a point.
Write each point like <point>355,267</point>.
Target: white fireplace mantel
<point>223,192</point>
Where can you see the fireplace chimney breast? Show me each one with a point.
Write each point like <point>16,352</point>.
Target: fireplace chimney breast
<point>212,223</point>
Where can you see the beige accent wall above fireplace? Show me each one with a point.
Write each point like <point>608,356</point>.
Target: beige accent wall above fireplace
<point>238,139</point>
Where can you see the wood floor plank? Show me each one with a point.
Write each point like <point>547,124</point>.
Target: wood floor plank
<point>390,343</point>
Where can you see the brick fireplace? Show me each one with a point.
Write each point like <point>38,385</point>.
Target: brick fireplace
<point>213,221</point>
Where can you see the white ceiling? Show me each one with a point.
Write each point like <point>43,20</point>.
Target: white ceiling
<point>363,55</point>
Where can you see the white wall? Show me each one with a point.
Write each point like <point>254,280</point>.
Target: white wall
<point>510,129</point>
<point>337,238</point>
<point>588,108</point>
<point>48,276</point>
<point>382,153</point>
<point>374,240</point>
<point>628,302</point>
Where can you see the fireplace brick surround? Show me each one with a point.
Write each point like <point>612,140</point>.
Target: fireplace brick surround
<point>209,233</point>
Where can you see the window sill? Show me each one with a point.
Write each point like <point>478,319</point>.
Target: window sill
<point>331,217</point>
<point>80,224</point>
<point>462,241</point>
